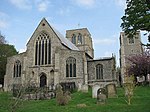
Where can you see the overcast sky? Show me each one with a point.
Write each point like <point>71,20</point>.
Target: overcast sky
<point>19,19</point>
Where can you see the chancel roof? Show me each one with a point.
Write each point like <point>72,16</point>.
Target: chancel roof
<point>65,41</point>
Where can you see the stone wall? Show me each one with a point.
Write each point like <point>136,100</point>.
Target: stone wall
<point>78,55</point>
<point>108,71</point>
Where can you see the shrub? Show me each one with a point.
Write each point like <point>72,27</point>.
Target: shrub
<point>62,98</point>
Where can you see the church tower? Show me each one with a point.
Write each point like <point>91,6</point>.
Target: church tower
<point>82,39</point>
<point>128,47</point>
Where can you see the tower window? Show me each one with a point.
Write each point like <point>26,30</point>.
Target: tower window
<point>74,39</point>
<point>99,71</point>
<point>71,67</point>
<point>80,38</point>
<point>131,40</point>
<point>43,49</point>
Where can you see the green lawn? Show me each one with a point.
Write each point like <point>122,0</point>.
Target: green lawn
<point>139,103</point>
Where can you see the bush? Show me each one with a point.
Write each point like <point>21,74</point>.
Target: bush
<point>62,98</point>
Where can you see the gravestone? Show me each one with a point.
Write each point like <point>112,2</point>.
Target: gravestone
<point>148,78</point>
<point>84,88</point>
<point>79,86</point>
<point>101,96</point>
<point>1,87</point>
<point>94,90</point>
<point>141,80</point>
<point>111,90</point>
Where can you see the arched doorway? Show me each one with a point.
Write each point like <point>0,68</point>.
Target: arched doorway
<point>43,80</point>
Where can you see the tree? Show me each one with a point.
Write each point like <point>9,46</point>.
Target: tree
<point>129,88</point>
<point>139,64</point>
<point>6,50</point>
<point>2,39</point>
<point>137,17</point>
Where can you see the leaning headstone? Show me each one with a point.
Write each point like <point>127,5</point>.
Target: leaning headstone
<point>111,90</point>
<point>94,90</point>
<point>101,96</point>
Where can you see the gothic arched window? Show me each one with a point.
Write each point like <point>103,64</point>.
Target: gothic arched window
<point>99,71</point>
<point>71,67</point>
<point>80,38</point>
<point>17,69</point>
<point>43,49</point>
<point>74,39</point>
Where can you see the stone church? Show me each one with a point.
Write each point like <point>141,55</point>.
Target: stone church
<point>51,59</point>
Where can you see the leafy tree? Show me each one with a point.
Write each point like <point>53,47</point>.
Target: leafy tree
<point>6,50</point>
<point>139,64</point>
<point>2,39</point>
<point>137,17</point>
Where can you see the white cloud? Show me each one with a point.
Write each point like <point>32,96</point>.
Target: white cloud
<point>43,5</point>
<point>64,11</point>
<point>22,50</point>
<point>108,54</point>
<point>104,41</point>
<point>3,20</point>
<point>22,4</point>
<point>121,3</point>
<point>86,3</point>
<point>3,24</point>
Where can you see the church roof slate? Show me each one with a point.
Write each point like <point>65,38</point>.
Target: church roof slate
<point>102,59</point>
<point>65,41</point>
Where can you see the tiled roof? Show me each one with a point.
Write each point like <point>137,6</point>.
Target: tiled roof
<point>65,41</point>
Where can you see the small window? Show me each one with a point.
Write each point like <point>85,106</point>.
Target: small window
<point>79,38</point>
<point>74,39</point>
<point>99,71</point>
<point>17,69</point>
<point>131,40</point>
<point>71,67</point>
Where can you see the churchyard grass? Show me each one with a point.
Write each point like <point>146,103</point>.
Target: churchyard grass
<point>139,103</point>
